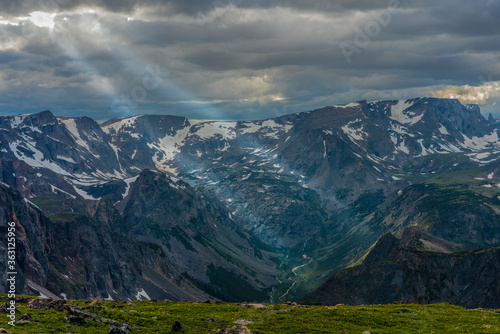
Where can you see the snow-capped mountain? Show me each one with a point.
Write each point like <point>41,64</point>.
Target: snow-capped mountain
<point>301,183</point>
<point>384,133</point>
<point>338,153</point>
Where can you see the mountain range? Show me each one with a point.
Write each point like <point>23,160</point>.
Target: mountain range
<point>167,207</point>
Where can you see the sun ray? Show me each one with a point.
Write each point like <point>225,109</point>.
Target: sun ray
<point>69,47</point>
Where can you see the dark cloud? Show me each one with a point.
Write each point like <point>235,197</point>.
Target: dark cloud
<point>20,8</point>
<point>241,58</point>
<point>191,7</point>
<point>196,7</point>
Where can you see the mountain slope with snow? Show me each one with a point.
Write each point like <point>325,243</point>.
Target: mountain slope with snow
<point>306,183</point>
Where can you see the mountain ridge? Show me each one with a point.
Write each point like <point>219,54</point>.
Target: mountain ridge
<point>325,183</point>
<point>414,270</point>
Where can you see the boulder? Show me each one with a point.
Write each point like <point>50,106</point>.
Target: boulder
<point>177,327</point>
<point>4,310</point>
<point>97,300</point>
<point>122,330</point>
<point>25,318</point>
<point>255,306</point>
<point>75,320</point>
<point>234,330</point>
<point>47,304</point>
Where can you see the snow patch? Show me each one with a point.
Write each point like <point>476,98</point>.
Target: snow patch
<point>350,105</point>
<point>251,127</point>
<point>68,159</point>
<point>54,188</point>
<point>175,183</point>
<point>443,130</point>
<point>57,140</point>
<point>401,146</point>
<point>168,147</point>
<point>480,143</point>
<point>119,125</point>
<point>398,113</point>
<point>425,151</point>
<point>213,129</point>
<point>269,128</point>
<point>226,147</point>
<point>16,121</point>
<point>354,129</point>
<point>448,147</point>
<point>37,159</point>
<point>70,124</point>
<point>116,149</point>
<point>85,195</point>
<point>142,295</point>
<point>127,188</point>
<point>27,201</point>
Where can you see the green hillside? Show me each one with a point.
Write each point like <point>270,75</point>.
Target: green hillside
<point>158,317</point>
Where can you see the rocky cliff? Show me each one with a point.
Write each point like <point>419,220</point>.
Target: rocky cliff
<point>72,255</point>
<point>418,268</point>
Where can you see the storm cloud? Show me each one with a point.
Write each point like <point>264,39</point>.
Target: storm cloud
<point>241,59</point>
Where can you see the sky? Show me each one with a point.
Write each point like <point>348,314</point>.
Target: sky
<point>243,59</point>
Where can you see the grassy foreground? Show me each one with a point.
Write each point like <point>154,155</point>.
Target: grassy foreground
<point>157,317</point>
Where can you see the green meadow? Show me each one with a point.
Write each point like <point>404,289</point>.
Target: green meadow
<point>158,317</point>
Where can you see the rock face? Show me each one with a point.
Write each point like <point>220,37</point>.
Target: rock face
<point>74,256</point>
<point>172,243</point>
<point>418,268</point>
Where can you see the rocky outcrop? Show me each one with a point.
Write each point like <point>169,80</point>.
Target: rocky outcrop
<point>234,330</point>
<point>419,268</point>
<point>72,255</point>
